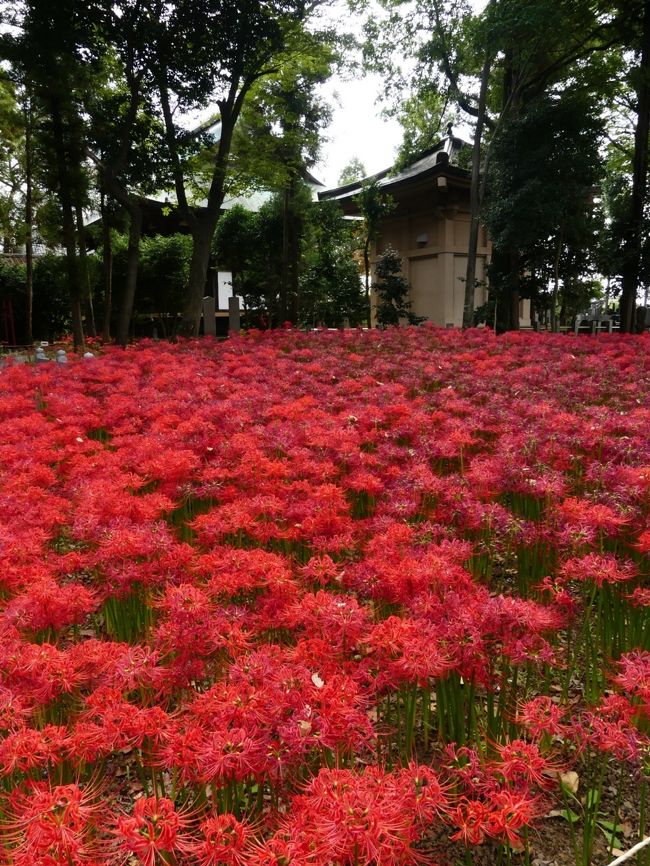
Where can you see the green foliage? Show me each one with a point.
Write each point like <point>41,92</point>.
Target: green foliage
<point>330,287</point>
<point>279,132</point>
<point>162,275</point>
<point>12,167</point>
<point>51,315</point>
<point>544,168</point>
<point>422,116</point>
<point>12,279</point>
<point>392,291</point>
<point>250,246</point>
<point>374,205</point>
<point>545,164</point>
<point>355,170</point>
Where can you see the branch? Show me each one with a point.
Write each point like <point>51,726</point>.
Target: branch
<point>629,152</point>
<point>118,190</point>
<point>461,98</point>
<point>577,52</point>
<point>170,135</point>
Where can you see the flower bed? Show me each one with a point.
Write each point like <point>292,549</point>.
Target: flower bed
<point>337,598</point>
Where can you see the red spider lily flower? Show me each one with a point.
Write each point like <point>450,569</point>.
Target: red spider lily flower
<point>509,812</point>
<point>583,514</point>
<point>233,755</point>
<point>47,826</point>
<point>223,842</point>
<point>339,619</point>
<point>321,570</point>
<point>154,833</point>
<point>634,673</point>
<point>598,569</point>
<point>428,797</point>
<point>643,542</point>
<point>522,765</point>
<point>407,650</point>
<point>27,749</point>
<point>47,604</point>
<point>280,850</point>
<point>610,728</point>
<point>542,716</point>
<point>365,817</point>
<point>640,597</point>
<point>472,819</point>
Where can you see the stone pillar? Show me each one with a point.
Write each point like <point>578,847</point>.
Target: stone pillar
<point>209,321</point>
<point>234,317</point>
<point>447,273</point>
<point>524,313</point>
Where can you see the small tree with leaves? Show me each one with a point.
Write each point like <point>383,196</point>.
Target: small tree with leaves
<point>392,291</point>
<point>374,205</point>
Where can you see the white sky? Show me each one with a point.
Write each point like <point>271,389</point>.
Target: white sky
<point>357,128</point>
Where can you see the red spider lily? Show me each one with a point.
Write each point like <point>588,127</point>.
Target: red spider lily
<point>472,819</point>
<point>542,716</point>
<point>634,676</point>
<point>509,813</point>
<point>610,728</point>
<point>643,541</point>
<point>154,833</point>
<point>406,650</point>
<point>26,748</point>
<point>598,569</point>
<point>321,570</point>
<point>223,842</point>
<point>47,825</point>
<point>523,766</point>
<point>346,489</point>
<point>337,618</point>
<point>361,817</point>
<point>47,604</point>
<point>580,514</point>
<point>232,756</point>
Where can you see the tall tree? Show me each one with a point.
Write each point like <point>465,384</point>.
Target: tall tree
<point>233,45</point>
<point>125,138</point>
<point>635,221</point>
<point>277,141</point>
<point>51,54</point>
<point>544,170</point>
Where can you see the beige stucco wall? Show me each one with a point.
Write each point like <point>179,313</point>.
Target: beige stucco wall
<point>435,266</point>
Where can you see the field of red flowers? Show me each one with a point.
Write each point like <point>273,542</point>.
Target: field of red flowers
<point>327,599</point>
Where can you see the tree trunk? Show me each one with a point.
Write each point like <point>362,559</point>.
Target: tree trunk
<point>634,232</point>
<point>202,235</point>
<point>29,224</point>
<point>366,265</point>
<point>132,262</point>
<point>87,298</point>
<point>107,269</point>
<point>68,223</point>
<point>294,260</point>
<point>284,274</point>
<point>556,285</point>
<point>475,201</point>
<point>513,282</point>
<point>72,265</point>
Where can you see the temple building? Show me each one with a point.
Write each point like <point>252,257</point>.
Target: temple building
<point>429,227</point>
